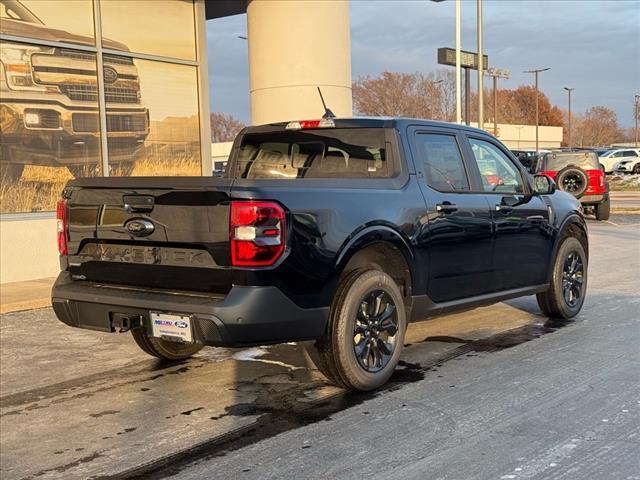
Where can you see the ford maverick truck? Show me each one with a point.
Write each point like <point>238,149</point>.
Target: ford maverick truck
<point>335,231</point>
<point>49,101</point>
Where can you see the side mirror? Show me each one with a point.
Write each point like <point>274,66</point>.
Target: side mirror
<point>543,185</point>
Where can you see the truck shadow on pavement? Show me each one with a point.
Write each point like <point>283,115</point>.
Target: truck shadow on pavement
<point>301,396</point>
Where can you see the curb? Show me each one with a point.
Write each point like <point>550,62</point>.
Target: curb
<point>25,305</point>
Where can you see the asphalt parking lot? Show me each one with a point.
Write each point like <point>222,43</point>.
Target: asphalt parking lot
<point>495,393</point>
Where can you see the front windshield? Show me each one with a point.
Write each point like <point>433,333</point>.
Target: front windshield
<point>557,161</point>
<point>603,153</point>
<point>14,10</point>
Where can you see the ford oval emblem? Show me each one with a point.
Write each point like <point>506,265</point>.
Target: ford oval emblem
<point>139,227</point>
<point>110,74</point>
<point>181,324</point>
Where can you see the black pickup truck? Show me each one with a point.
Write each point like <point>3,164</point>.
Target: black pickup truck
<point>340,231</point>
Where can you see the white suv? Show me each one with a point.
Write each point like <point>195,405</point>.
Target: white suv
<point>621,161</point>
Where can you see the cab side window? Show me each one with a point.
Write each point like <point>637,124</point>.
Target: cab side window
<point>498,172</point>
<point>442,162</point>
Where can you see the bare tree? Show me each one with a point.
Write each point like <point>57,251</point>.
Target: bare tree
<point>224,128</point>
<point>433,96</point>
<point>597,127</point>
<point>405,95</point>
<point>518,107</point>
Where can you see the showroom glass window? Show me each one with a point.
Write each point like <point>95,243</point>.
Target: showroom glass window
<point>51,128</point>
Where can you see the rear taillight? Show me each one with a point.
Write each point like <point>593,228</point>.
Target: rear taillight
<point>257,233</point>
<point>61,215</point>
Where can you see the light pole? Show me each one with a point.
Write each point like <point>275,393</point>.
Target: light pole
<point>458,61</point>
<point>569,90</point>
<point>637,98</point>
<point>535,73</point>
<point>433,83</point>
<point>480,66</point>
<point>458,67</point>
<point>496,73</point>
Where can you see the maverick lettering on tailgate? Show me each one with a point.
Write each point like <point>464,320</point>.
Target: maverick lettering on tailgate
<point>179,257</point>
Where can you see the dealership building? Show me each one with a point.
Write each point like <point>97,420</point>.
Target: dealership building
<point>113,87</point>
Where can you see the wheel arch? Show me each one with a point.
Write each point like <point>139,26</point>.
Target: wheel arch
<point>382,247</point>
<point>572,226</point>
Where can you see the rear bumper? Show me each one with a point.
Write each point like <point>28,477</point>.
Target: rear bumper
<point>245,316</point>
<point>594,199</point>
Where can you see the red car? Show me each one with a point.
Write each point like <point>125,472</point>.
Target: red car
<point>580,174</point>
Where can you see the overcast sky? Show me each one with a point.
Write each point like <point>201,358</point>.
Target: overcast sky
<point>591,45</point>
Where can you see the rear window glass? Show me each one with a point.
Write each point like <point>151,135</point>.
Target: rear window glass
<point>328,153</point>
<point>557,161</point>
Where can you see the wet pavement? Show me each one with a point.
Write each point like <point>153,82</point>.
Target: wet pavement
<point>498,392</point>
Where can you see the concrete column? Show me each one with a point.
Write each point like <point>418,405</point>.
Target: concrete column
<point>295,46</point>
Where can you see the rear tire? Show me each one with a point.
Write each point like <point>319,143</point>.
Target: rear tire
<point>365,334</point>
<point>566,293</point>
<point>164,349</point>
<point>636,169</point>
<point>603,210</point>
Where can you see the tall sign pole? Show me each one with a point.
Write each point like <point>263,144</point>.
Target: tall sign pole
<point>480,67</point>
<point>468,61</point>
<point>458,65</point>
<point>569,90</point>
<point>496,73</point>
<point>535,73</point>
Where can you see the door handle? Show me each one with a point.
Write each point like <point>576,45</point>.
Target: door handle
<point>504,208</point>
<point>446,207</point>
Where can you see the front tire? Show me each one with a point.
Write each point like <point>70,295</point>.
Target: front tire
<point>603,210</point>
<point>366,332</point>
<point>163,349</point>
<point>566,293</point>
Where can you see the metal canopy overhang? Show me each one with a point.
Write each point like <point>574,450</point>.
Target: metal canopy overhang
<point>224,8</point>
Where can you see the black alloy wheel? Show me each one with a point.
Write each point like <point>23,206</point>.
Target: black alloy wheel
<point>568,288</point>
<point>365,333</point>
<point>573,180</point>
<point>572,279</point>
<point>572,183</point>
<point>374,332</point>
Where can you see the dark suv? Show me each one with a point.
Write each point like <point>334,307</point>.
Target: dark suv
<point>340,231</point>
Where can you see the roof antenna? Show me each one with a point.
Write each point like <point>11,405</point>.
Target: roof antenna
<point>328,114</point>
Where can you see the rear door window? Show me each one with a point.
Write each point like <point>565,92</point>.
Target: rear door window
<point>314,154</point>
<point>442,161</point>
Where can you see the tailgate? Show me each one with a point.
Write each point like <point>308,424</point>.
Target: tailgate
<point>161,232</point>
